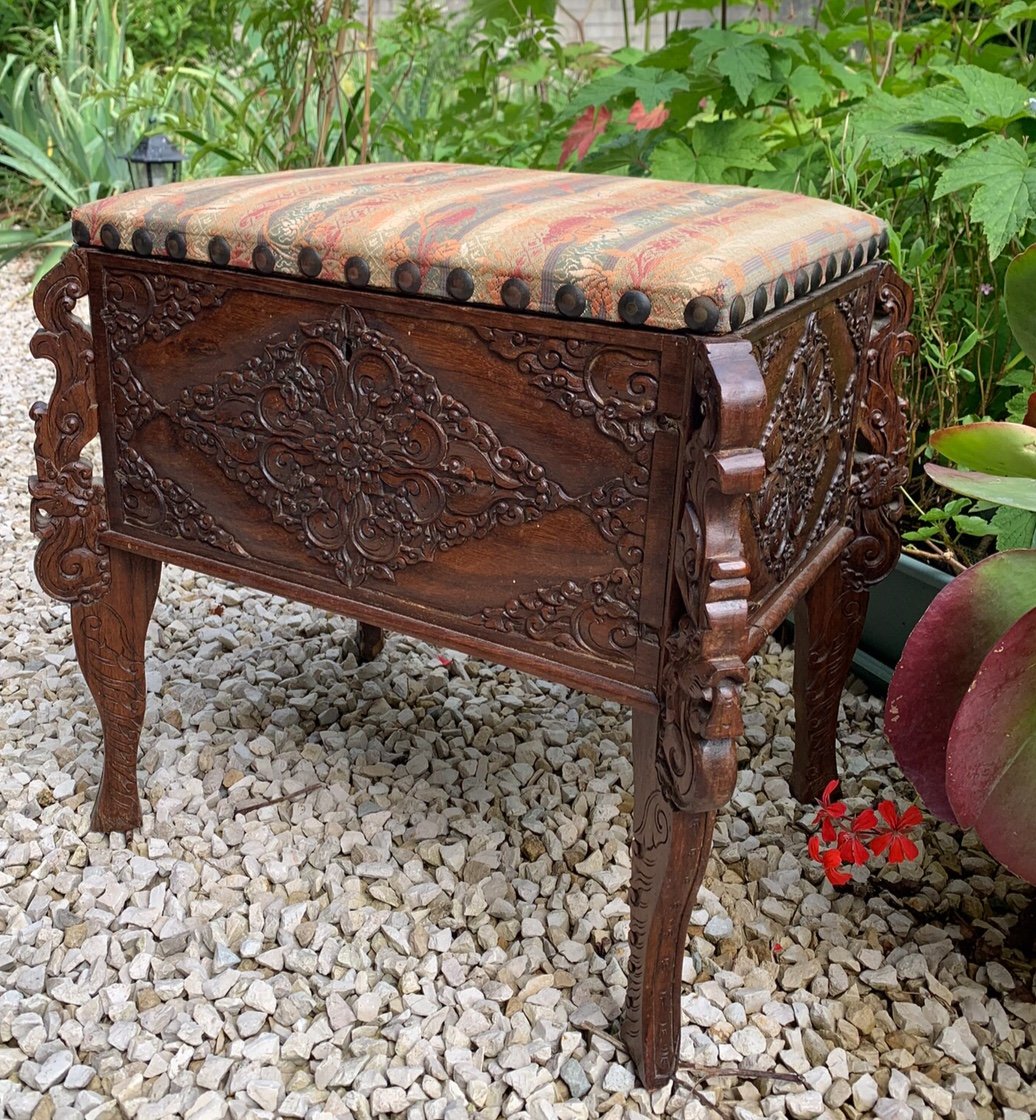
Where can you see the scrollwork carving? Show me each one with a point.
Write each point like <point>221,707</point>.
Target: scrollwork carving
<point>160,503</point>
<point>797,442</point>
<point>68,510</point>
<point>703,663</point>
<point>616,386</point>
<point>592,616</point>
<point>152,305</point>
<point>880,463</point>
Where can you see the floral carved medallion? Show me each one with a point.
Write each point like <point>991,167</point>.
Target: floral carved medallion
<point>354,448</point>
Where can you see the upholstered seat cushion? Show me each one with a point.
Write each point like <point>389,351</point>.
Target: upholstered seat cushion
<point>671,255</point>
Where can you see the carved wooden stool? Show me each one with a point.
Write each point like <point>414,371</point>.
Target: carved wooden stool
<point>607,431</point>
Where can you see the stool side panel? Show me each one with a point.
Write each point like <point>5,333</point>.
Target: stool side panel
<point>486,472</point>
<point>812,362</point>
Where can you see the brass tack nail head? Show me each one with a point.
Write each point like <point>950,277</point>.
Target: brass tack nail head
<point>737,312</point>
<point>515,294</point>
<point>263,258</point>
<point>310,263</point>
<point>570,301</point>
<point>634,307</point>
<point>701,315</point>
<point>176,245</point>
<point>801,283</point>
<point>142,243</point>
<point>460,285</point>
<point>219,251</point>
<point>831,270</point>
<point>780,291</point>
<point>407,278</point>
<point>816,276</point>
<point>110,236</point>
<point>80,233</point>
<point>357,272</point>
<point>759,301</point>
<point>883,241</point>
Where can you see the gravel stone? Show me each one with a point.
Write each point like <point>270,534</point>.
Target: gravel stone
<point>400,888</point>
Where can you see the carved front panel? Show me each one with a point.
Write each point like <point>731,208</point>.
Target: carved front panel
<point>809,364</point>
<point>436,461</point>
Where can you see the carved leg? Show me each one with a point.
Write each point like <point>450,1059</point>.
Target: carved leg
<point>370,641</point>
<point>109,638</point>
<point>670,850</point>
<point>828,622</point>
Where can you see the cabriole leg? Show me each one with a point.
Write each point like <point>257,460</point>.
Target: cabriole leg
<point>109,638</point>
<point>370,641</point>
<point>669,852</point>
<point>828,622</point>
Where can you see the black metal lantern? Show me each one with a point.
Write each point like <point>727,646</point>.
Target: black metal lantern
<point>154,161</point>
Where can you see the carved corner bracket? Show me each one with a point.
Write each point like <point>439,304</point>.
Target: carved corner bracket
<point>880,461</point>
<point>68,510</point>
<point>704,660</point>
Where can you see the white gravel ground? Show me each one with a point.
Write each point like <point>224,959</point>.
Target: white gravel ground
<point>425,930</point>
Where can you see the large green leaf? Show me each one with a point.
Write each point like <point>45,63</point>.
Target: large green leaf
<point>990,100</point>
<point>940,660</point>
<point>1020,298</point>
<point>996,448</point>
<point>991,757</point>
<point>1017,492</point>
<point>1004,182</point>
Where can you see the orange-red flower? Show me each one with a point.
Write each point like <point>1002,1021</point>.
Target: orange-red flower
<point>894,838</point>
<point>852,839</point>
<point>829,812</point>
<point>831,860</point>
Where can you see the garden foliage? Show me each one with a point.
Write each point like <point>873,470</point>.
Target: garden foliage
<point>918,110</point>
<point>961,713</point>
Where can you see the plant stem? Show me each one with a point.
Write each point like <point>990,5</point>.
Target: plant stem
<point>365,128</point>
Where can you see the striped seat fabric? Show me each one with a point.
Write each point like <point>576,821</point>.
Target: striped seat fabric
<point>638,251</point>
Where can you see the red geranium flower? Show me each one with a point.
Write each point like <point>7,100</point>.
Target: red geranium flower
<point>829,812</point>
<point>900,847</point>
<point>831,859</point>
<point>850,844</point>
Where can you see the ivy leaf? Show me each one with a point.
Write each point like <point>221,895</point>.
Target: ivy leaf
<point>743,65</point>
<point>583,133</point>
<point>1002,204</point>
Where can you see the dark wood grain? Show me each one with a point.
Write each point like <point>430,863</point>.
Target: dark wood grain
<point>623,510</point>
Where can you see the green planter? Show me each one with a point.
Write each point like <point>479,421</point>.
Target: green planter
<point>896,605</point>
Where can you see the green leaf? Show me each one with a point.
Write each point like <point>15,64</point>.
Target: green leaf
<point>808,87</point>
<point>1017,492</point>
<point>903,128</point>
<point>1020,298</point>
<point>743,65</point>
<point>973,526</point>
<point>1015,528</point>
<point>712,151</point>
<point>1006,185</point>
<point>991,101</point>
<point>648,84</point>
<point>993,447</point>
